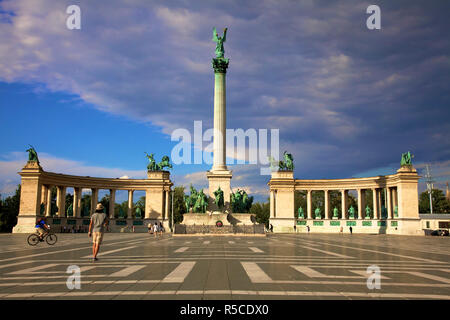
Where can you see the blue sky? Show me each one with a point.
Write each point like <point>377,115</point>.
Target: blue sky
<point>347,100</point>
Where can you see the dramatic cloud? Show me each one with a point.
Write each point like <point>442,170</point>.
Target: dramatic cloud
<point>346,99</point>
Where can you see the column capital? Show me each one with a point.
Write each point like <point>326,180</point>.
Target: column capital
<point>220,65</point>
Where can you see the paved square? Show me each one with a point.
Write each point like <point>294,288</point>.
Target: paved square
<point>280,266</point>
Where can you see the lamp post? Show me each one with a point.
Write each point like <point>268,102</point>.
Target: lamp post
<point>429,180</point>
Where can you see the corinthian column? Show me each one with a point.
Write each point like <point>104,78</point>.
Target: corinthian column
<point>309,204</point>
<point>220,122</point>
<point>327,204</point>
<point>219,175</point>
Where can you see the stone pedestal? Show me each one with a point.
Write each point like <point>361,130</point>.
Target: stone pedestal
<point>155,197</point>
<point>284,184</point>
<point>30,198</point>
<point>220,178</point>
<point>211,219</point>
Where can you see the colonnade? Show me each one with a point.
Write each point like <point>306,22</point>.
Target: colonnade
<point>400,200</point>
<point>391,203</point>
<point>77,196</point>
<point>37,187</point>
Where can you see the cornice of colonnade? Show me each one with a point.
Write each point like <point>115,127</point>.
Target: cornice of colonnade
<point>157,180</point>
<point>287,181</point>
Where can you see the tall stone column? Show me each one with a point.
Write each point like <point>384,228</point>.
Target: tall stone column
<point>130,204</point>
<point>376,208</point>
<point>112,202</point>
<point>166,209</point>
<point>219,175</point>
<point>272,203</point>
<point>361,203</point>
<point>61,201</point>
<point>309,204</point>
<point>220,120</point>
<point>389,202</point>
<point>77,202</point>
<point>344,203</point>
<point>48,207</point>
<point>43,196</point>
<point>394,197</point>
<point>380,205</point>
<point>94,200</point>
<point>327,204</point>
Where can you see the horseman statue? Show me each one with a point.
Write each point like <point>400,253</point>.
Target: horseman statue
<point>196,202</point>
<point>241,202</point>
<point>32,154</point>
<point>283,165</point>
<point>153,166</point>
<point>406,159</point>
<point>201,203</point>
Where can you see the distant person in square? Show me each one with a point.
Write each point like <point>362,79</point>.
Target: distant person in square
<point>155,229</point>
<point>160,229</point>
<point>99,221</point>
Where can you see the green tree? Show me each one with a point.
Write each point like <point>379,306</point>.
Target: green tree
<point>440,203</point>
<point>121,206</point>
<point>179,207</point>
<point>335,201</point>
<point>299,201</point>
<point>261,212</point>
<point>69,200</point>
<point>140,204</point>
<point>9,210</point>
<point>86,205</point>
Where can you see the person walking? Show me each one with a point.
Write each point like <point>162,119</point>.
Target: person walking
<point>307,227</point>
<point>155,229</point>
<point>99,221</point>
<point>342,230</point>
<point>149,226</point>
<point>160,229</point>
<point>351,229</point>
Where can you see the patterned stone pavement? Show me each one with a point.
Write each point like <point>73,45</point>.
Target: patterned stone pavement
<point>295,266</point>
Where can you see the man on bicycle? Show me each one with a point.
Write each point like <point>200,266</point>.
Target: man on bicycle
<point>42,228</point>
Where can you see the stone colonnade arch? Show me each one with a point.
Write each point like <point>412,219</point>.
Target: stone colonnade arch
<point>37,185</point>
<point>401,196</point>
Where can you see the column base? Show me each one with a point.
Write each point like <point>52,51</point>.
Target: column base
<point>220,178</point>
<point>25,224</point>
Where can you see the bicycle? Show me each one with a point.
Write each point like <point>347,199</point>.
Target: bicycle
<point>33,239</point>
